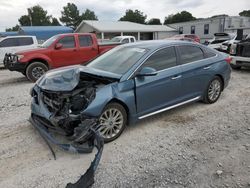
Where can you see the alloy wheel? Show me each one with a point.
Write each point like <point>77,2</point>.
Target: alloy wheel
<point>214,90</point>
<point>111,122</point>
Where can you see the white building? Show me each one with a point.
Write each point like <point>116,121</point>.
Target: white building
<point>110,29</point>
<point>205,28</point>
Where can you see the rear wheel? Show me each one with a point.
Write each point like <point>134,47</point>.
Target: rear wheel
<point>35,70</point>
<point>113,121</point>
<point>213,90</point>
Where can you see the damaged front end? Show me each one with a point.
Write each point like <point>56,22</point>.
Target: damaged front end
<point>58,102</point>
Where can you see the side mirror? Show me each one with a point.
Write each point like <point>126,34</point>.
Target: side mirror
<point>58,46</point>
<point>147,71</point>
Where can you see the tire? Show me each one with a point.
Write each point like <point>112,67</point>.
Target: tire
<point>35,70</point>
<point>213,91</point>
<point>108,129</point>
<point>236,67</point>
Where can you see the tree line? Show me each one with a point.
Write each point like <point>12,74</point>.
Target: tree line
<point>71,17</point>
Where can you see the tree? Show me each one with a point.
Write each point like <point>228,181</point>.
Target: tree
<point>15,28</point>
<point>154,21</point>
<point>134,16</point>
<point>245,13</point>
<point>184,16</point>
<point>37,16</point>
<point>70,15</point>
<point>55,22</point>
<point>88,15</point>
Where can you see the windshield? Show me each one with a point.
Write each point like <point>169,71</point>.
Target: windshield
<point>118,60</point>
<point>116,39</point>
<point>48,42</point>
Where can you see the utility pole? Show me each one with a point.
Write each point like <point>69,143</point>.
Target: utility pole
<point>29,13</point>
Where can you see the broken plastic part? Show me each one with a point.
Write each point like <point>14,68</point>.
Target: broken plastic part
<point>93,139</point>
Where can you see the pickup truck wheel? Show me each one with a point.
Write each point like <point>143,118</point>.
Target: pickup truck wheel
<point>113,121</point>
<point>236,67</point>
<point>35,70</point>
<point>213,90</point>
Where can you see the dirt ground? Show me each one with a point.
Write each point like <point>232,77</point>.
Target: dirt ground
<point>196,145</point>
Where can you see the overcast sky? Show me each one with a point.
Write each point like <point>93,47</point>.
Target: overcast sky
<point>11,10</point>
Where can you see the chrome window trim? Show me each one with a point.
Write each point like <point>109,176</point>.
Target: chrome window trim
<point>176,45</point>
<point>170,107</point>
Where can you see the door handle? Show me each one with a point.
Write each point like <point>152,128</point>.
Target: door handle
<point>176,77</point>
<point>206,68</point>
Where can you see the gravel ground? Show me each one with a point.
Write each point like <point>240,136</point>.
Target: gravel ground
<point>197,145</point>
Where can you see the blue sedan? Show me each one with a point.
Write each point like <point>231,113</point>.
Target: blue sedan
<point>128,83</point>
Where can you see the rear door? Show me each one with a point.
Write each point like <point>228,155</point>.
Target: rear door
<point>156,92</point>
<point>24,43</point>
<point>196,70</point>
<point>87,48</point>
<point>67,55</point>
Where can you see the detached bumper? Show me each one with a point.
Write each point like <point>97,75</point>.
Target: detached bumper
<point>11,62</point>
<point>93,140</point>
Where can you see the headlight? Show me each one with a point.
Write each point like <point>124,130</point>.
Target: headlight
<point>20,56</point>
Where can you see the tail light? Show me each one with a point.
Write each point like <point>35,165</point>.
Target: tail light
<point>228,60</point>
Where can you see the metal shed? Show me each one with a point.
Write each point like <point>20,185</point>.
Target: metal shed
<point>44,32</point>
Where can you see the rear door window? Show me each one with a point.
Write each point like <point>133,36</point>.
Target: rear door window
<point>9,42</point>
<point>68,42</point>
<point>190,54</point>
<point>132,39</point>
<point>85,40</point>
<point>24,41</point>
<point>162,59</point>
<point>125,41</point>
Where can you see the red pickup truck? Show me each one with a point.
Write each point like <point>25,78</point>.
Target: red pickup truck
<point>58,51</point>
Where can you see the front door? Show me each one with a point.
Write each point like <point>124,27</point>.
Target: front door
<point>153,93</point>
<point>67,55</point>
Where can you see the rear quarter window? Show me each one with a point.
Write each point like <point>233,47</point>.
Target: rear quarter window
<point>208,53</point>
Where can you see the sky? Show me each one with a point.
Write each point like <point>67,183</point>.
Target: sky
<point>11,10</point>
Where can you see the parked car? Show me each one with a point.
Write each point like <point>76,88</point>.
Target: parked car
<point>226,46</point>
<point>240,53</point>
<point>13,44</point>
<point>126,84</point>
<point>179,37</point>
<point>219,38</point>
<point>123,39</point>
<point>58,51</point>
<point>187,37</point>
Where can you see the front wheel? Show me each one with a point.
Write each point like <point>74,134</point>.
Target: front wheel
<point>113,121</point>
<point>213,90</point>
<point>35,70</point>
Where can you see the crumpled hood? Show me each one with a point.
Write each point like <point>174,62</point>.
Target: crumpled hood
<point>67,78</point>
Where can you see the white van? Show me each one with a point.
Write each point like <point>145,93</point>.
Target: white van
<point>12,44</point>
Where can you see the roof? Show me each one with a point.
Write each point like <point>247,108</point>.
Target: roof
<point>10,33</point>
<point>44,32</point>
<point>154,44</point>
<point>204,20</point>
<point>123,26</point>
<point>45,28</point>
